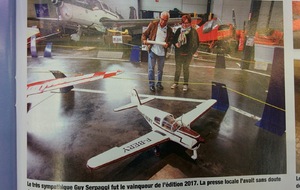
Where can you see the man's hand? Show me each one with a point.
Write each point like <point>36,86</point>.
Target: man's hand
<point>145,42</point>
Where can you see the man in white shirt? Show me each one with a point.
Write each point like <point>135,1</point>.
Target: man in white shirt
<point>162,34</point>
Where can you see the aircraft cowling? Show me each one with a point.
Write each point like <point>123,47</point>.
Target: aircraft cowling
<point>65,12</point>
<point>199,141</point>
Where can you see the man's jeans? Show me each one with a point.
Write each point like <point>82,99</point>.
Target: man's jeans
<point>152,59</point>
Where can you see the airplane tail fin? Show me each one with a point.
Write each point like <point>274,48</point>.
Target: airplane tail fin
<point>59,74</point>
<point>135,98</point>
<point>135,101</point>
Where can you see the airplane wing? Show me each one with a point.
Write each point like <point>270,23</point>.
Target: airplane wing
<point>192,115</point>
<point>117,153</point>
<point>45,18</point>
<point>129,23</point>
<point>32,31</point>
<point>66,83</point>
<point>135,22</point>
<point>35,32</point>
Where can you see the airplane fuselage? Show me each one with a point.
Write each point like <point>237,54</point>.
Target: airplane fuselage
<point>86,15</point>
<point>165,124</point>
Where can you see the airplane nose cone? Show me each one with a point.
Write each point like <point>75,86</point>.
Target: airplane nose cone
<point>66,12</point>
<point>199,140</point>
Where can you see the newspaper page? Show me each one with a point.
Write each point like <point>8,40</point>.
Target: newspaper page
<point>97,112</point>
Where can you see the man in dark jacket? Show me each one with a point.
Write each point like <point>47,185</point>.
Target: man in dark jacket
<point>158,37</point>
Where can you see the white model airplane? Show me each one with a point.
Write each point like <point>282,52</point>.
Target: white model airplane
<point>164,128</point>
<point>64,83</point>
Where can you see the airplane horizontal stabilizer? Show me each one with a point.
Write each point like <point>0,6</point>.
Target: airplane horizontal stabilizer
<point>192,115</point>
<point>143,101</point>
<point>115,154</point>
<point>127,106</point>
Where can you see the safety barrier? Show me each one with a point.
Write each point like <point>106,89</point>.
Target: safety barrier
<point>273,117</point>
<point>135,54</point>
<point>48,50</point>
<point>33,49</point>
<point>219,93</point>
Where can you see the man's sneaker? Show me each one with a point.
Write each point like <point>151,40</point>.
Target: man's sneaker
<point>174,86</point>
<point>152,88</point>
<point>160,87</point>
<point>185,88</point>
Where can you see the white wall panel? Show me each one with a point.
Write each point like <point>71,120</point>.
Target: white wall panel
<point>276,19</point>
<point>190,6</point>
<point>161,5</point>
<point>197,6</point>
<point>223,10</point>
<point>122,7</point>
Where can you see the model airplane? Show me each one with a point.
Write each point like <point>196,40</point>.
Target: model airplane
<point>64,83</point>
<point>164,128</point>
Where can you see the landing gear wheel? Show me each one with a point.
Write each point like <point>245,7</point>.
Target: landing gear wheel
<point>194,156</point>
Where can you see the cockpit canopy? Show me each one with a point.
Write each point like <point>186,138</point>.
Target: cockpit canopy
<point>170,123</point>
<point>92,4</point>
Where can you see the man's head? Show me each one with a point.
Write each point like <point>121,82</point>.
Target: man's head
<point>164,17</point>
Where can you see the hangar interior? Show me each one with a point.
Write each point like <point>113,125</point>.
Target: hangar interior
<point>67,129</point>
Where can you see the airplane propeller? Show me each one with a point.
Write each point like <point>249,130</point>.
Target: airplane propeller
<point>57,4</point>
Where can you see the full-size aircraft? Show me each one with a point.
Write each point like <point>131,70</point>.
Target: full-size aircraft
<point>164,128</point>
<point>85,14</point>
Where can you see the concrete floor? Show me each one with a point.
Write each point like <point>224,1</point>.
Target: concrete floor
<point>65,130</point>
